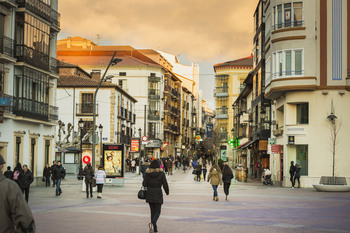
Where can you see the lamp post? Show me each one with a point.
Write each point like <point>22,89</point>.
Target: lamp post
<point>100,129</point>
<point>140,130</point>
<point>103,79</point>
<point>81,126</point>
<point>123,134</point>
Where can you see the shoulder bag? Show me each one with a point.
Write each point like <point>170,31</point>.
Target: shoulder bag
<point>142,193</point>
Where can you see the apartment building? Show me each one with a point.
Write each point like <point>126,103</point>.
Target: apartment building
<point>28,77</point>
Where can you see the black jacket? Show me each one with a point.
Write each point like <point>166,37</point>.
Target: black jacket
<point>153,181</point>
<point>47,172</point>
<point>88,173</point>
<point>297,171</point>
<point>8,174</point>
<point>53,171</point>
<point>59,172</point>
<point>227,178</point>
<point>27,179</point>
<point>292,170</point>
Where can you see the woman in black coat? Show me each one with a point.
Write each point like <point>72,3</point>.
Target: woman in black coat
<point>153,181</point>
<point>227,176</point>
<point>47,174</point>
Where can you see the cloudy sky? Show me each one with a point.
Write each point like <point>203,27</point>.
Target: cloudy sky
<point>203,31</point>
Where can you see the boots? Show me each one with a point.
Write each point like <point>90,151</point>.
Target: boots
<point>216,198</point>
<point>99,195</point>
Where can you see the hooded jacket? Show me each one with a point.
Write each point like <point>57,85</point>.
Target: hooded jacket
<point>27,179</point>
<point>14,210</point>
<point>214,177</point>
<point>153,181</point>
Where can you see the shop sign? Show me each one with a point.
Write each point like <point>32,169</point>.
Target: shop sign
<point>154,143</point>
<point>135,145</point>
<point>263,145</point>
<point>272,141</point>
<point>223,154</point>
<point>276,149</point>
<point>291,140</point>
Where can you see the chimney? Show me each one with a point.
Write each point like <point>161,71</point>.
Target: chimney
<point>96,75</point>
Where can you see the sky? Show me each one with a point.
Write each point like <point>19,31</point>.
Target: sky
<point>205,32</point>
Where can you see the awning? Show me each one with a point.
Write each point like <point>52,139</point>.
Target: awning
<point>240,146</point>
<point>245,145</point>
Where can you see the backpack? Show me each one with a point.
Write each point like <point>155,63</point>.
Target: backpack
<point>16,175</point>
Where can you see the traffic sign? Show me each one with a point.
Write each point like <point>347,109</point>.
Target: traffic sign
<point>144,139</point>
<point>86,159</point>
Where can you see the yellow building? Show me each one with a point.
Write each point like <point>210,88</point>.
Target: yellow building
<point>229,77</point>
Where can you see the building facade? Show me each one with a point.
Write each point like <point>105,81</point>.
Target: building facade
<point>28,79</point>
<point>115,115</point>
<point>229,77</point>
<point>307,80</point>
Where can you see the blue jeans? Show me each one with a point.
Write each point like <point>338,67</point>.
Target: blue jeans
<point>215,188</point>
<point>58,187</point>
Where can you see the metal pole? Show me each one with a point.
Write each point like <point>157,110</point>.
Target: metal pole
<point>101,147</point>
<point>94,114</point>
<point>144,132</point>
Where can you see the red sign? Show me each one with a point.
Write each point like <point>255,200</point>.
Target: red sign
<point>166,144</point>
<point>86,159</point>
<point>276,149</point>
<point>144,139</point>
<point>135,145</point>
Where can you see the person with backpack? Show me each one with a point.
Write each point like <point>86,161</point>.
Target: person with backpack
<point>18,174</point>
<point>89,176</point>
<point>8,173</point>
<point>26,181</point>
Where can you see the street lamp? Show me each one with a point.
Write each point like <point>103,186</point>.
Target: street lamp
<point>81,126</point>
<point>123,133</point>
<point>263,114</point>
<point>112,62</point>
<point>100,129</point>
<point>140,141</point>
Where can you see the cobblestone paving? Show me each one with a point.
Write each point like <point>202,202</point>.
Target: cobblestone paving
<point>189,208</point>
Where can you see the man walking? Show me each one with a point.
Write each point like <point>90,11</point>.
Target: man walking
<point>15,214</point>
<point>292,173</point>
<point>53,177</point>
<point>26,181</point>
<point>59,174</point>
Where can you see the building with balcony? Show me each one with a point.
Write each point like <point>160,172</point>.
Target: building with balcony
<point>28,77</point>
<point>307,67</point>
<point>136,74</point>
<point>115,112</point>
<point>229,77</point>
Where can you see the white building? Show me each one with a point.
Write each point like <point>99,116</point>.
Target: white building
<point>28,76</point>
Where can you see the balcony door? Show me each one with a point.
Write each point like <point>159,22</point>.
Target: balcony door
<point>87,102</point>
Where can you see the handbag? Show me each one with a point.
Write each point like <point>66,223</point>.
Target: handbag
<point>142,193</point>
<point>43,179</point>
<point>93,184</point>
<point>194,172</point>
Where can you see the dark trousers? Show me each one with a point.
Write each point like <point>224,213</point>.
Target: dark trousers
<point>292,179</point>
<point>26,193</point>
<point>298,179</point>
<point>204,175</point>
<point>227,188</point>
<point>99,188</point>
<point>53,182</point>
<point>88,185</point>
<point>47,180</point>
<point>155,213</point>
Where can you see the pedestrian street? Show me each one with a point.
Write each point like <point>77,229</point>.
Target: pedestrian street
<point>251,207</point>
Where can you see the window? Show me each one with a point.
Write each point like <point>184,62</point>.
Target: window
<point>2,25</point>
<point>32,155</point>
<point>120,83</point>
<point>287,63</point>
<point>279,16</point>
<point>303,113</point>
<point>122,73</point>
<point>18,150</point>
<point>298,13</point>
<point>298,62</point>
<point>87,102</point>
<point>86,128</point>
<point>47,152</point>
<point>302,158</point>
<point>287,14</point>
<point>293,15</point>
<point>36,34</point>
<point>2,79</point>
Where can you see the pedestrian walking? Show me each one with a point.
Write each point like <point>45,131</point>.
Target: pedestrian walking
<point>297,174</point>
<point>292,173</point>
<point>18,175</point>
<point>89,176</point>
<point>184,164</point>
<point>154,180</point>
<point>47,174</point>
<point>133,166</point>
<point>198,169</point>
<point>204,170</point>
<point>215,179</point>
<point>59,174</point>
<point>53,177</point>
<point>8,173</point>
<point>26,181</point>
<point>169,166</point>
<point>227,176</point>
<point>100,180</point>
<point>15,213</point>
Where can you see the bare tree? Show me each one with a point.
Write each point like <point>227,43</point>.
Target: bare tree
<point>212,145</point>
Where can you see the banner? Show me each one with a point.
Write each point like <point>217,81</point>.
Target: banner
<point>113,158</point>
<point>209,130</point>
<point>135,145</point>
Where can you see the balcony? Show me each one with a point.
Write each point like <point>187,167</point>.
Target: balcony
<point>153,94</point>
<point>153,79</point>
<point>223,136</point>
<point>38,7</point>
<point>133,118</point>
<point>53,113</point>
<point>32,57</point>
<point>121,113</point>
<point>221,113</point>
<point>31,109</point>
<point>8,3</point>
<point>287,26</point>
<point>55,19</point>
<point>221,91</point>
<point>86,109</point>
<point>153,115</point>
<point>6,49</point>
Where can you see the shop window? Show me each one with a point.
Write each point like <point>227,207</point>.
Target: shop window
<point>303,113</point>
<point>302,158</point>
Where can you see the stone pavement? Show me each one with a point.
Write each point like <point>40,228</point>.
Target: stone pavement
<point>189,208</point>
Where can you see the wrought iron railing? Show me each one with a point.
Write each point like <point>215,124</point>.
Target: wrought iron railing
<point>297,23</point>
<point>31,108</point>
<point>9,3</point>
<point>53,113</point>
<point>55,18</point>
<point>153,94</point>
<point>86,109</point>
<point>221,90</point>
<point>32,57</point>
<point>36,6</point>
<point>6,46</point>
<point>154,79</point>
<point>153,115</point>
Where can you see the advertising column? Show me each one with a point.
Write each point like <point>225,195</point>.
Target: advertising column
<point>113,163</point>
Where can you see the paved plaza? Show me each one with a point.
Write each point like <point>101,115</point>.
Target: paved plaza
<point>189,208</point>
